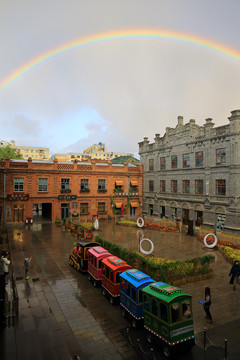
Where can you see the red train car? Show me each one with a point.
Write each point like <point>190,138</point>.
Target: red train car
<point>95,256</point>
<point>112,266</point>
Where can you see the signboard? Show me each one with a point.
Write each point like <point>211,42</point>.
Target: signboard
<point>17,197</point>
<point>67,197</point>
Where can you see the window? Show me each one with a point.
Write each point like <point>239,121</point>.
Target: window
<point>146,302</point>
<point>173,186</point>
<point>186,160</point>
<point>220,187</point>
<point>101,207</point>
<point>186,309</point>
<point>134,294</point>
<point>84,208</point>
<point>65,184</point>
<point>74,205</point>
<point>18,184</point>
<point>175,312</point>
<point>84,185</point>
<point>151,164</point>
<point>220,156</point>
<point>102,185</point>
<point>174,162</point>
<point>199,187</point>
<point>154,307</point>
<point>199,159</point>
<point>151,185</point>
<point>186,186</point>
<point>162,163</point>
<point>42,184</point>
<point>162,186</point>
<point>163,312</point>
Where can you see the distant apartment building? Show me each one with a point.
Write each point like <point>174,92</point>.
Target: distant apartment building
<point>36,153</point>
<point>192,173</point>
<point>96,151</point>
<point>77,190</point>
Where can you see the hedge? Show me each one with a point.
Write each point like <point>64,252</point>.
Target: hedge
<point>160,269</point>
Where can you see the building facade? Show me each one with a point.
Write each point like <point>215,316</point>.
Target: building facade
<point>36,153</point>
<point>78,190</point>
<point>193,173</point>
<point>96,151</point>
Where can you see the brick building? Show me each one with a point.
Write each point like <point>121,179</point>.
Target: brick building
<point>68,189</point>
<point>192,172</point>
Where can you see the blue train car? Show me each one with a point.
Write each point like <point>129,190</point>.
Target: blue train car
<point>131,283</point>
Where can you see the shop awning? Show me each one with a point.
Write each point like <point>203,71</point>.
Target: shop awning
<point>119,183</point>
<point>134,183</point>
<point>134,204</point>
<point>118,204</point>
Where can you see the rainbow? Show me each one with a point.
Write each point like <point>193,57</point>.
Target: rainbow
<point>134,34</point>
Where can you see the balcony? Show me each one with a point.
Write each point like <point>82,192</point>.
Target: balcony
<point>102,190</point>
<point>84,190</point>
<point>65,191</point>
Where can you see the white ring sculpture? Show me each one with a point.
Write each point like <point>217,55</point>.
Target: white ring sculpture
<point>96,224</point>
<point>138,222</point>
<point>144,251</point>
<point>211,245</point>
<point>140,234</point>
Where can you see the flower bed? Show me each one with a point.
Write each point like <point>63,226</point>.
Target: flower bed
<point>160,269</point>
<point>83,231</point>
<point>149,225</point>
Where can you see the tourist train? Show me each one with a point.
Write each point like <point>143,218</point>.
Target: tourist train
<point>165,311</point>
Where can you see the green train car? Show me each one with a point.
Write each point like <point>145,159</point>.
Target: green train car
<point>168,317</point>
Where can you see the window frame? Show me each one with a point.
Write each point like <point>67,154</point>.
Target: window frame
<point>198,159</point>
<point>163,163</point>
<point>151,185</point>
<point>173,186</point>
<point>174,162</point>
<point>221,156</point>
<point>18,186</point>
<point>220,186</point>
<point>186,186</point>
<point>198,186</point>
<point>186,160</point>
<point>44,186</point>
<point>162,186</point>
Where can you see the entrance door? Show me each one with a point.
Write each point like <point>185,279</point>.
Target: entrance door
<point>199,218</point>
<point>150,209</point>
<point>185,216</point>
<point>64,211</point>
<point>163,212</point>
<point>18,213</point>
<point>132,211</point>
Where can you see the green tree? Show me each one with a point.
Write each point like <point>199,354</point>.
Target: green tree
<point>8,151</point>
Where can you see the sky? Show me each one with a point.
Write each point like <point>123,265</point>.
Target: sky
<point>111,89</point>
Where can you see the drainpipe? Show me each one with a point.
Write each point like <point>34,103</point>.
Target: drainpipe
<point>4,186</point>
<point>128,190</point>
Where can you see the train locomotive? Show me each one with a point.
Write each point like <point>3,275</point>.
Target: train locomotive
<point>162,310</point>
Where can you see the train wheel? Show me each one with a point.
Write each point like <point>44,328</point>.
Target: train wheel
<point>123,313</point>
<point>134,323</point>
<point>167,351</point>
<point>104,292</point>
<point>94,283</point>
<point>111,300</point>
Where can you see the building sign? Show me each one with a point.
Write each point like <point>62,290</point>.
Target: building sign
<point>17,197</point>
<point>67,197</point>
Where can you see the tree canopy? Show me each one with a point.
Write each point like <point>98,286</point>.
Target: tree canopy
<point>8,151</point>
<point>123,159</point>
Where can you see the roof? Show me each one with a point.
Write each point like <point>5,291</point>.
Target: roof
<point>164,291</point>
<point>136,277</point>
<point>115,263</point>
<point>98,251</point>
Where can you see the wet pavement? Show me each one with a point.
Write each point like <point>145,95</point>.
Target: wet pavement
<point>61,313</point>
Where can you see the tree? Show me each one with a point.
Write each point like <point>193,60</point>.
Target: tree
<point>8,151</point>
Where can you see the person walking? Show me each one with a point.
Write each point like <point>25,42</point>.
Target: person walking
<point>5,262</point>
<point>207,303</point>
<point>234,273</point>
<point>27,262</point>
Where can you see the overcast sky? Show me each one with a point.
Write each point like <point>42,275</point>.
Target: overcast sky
<point>115,92</point>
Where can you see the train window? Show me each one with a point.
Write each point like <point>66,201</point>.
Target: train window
<point>107,272</point>
<point>111,276</point>
<point>117,278</point>
<point>140,297</point>
<point>104,270</point>
<point>186,309</point>
<point>163,312</point>
<point>146,302</point>
<point>134,294</point>
<point>175,312</point>
<point>90,258</point>
<point>122,285</point>
<point>127,288</point>
<point>99,264</point>
<point>95,262</point>
<point>154,307</point>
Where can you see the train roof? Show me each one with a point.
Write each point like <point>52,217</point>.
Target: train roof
<point>98,251</point>
<point>164,291</point>
<point>115,263</point>
<point>84,243</point>
<point>136,277</point>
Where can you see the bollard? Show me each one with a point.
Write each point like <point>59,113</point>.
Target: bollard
<point>226,352</point>
<point>204,338</point>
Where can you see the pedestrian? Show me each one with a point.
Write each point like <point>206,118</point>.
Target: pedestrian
<point>27,262</point>
<point>5,262</point>
<point>234,273</point>
<point>207,303</point>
